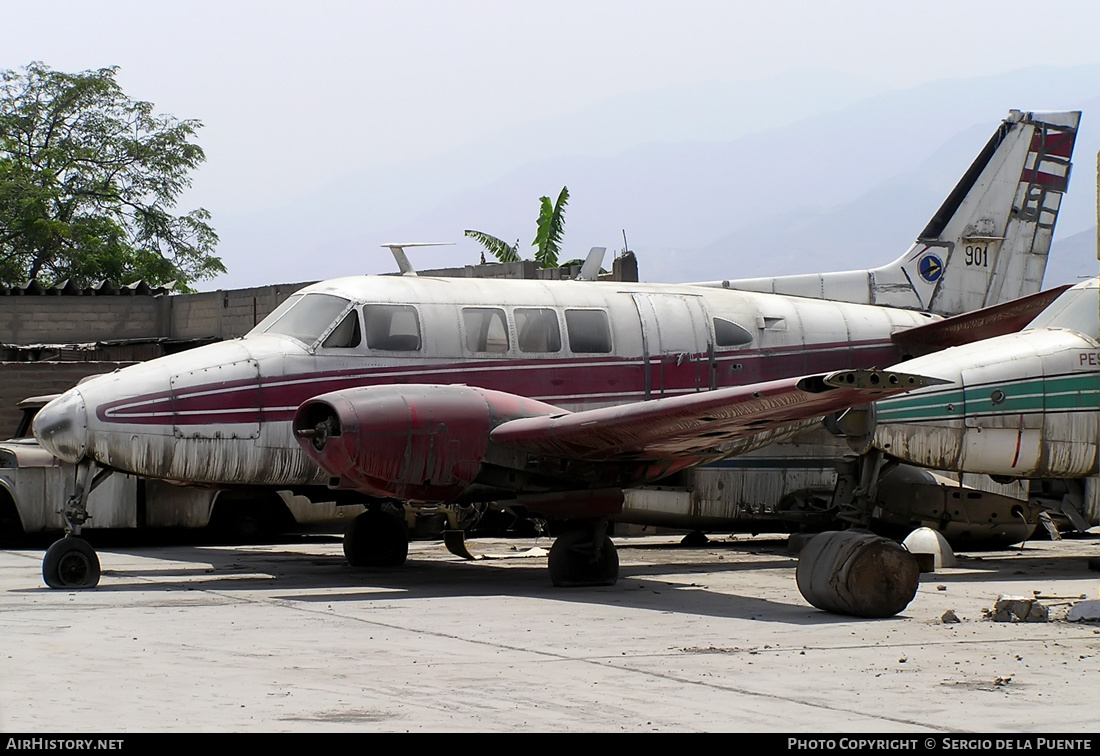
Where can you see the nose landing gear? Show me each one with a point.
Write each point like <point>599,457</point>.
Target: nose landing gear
<point>72,562</point>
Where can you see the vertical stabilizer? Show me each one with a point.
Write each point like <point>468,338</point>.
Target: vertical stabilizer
<point>988,242</point>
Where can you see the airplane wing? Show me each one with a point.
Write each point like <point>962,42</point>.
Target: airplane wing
<point>443,442</point>
<point>978,325</point>
<point>700,423</point>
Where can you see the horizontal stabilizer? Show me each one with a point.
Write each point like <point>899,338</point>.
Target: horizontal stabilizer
<point>402,259</point>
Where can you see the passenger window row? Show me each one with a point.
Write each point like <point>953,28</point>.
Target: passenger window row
<point>396,328</point>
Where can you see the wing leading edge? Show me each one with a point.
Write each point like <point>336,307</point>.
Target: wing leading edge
<point>444,443</point>
<point>701,423</point>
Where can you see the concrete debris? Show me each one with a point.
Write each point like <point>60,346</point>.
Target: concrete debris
<point>949,617</point>
<point>1020,609</point>
<point>1085,611</point>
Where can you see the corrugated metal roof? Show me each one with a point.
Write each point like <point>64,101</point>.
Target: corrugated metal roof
<point>103,288</point>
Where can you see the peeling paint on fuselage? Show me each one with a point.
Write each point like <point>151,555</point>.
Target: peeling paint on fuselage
<point>221,413</point>
<point>1024,405</point>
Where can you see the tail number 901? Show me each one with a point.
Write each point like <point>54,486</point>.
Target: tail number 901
<point>977,255</point>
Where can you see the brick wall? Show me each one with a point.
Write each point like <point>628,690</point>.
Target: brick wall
<point>55,319</point>
<point>224,314</point>
<point>47,319</point>
<point>20,380</point>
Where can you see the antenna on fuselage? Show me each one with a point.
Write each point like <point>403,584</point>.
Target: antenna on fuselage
<point>402,259</point>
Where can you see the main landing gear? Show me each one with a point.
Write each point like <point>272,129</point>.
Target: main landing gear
<point>376,539</point>
<point>72,562</point>
<point>584,555</point>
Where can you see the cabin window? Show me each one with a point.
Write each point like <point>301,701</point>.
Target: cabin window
<point>537,330</point>
<point>486,329</point>
<point>347,335</point>
<point>307,317</point>
<point>727,334</point>
<point>588,331</point>
<point>392,328</point>
<point>275,314</point>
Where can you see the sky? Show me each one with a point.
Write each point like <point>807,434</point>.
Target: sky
<point>295,95</point>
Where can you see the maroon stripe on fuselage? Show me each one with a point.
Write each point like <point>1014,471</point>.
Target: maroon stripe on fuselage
<point>568,381</point>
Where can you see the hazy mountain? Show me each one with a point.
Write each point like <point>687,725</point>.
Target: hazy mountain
<point>874,228</point>
<point>1072,259</point>
<point>797,186</point>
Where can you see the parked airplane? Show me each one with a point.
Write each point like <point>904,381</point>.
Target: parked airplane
<point>533,391</point>
<point>1021,406</point>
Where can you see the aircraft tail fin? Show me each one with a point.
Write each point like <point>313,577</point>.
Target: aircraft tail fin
<point>988,242</point>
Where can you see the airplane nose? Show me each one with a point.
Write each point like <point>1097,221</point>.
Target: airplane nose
<point>62,427</point>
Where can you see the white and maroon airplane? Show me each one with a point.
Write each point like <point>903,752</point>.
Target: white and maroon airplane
<point>553,395</point>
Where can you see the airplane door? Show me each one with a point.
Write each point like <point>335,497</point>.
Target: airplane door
<point>677,345</point>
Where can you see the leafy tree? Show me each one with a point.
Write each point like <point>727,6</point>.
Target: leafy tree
<point>550,227</point>
<point>88,181</point>
<point>498,248</point>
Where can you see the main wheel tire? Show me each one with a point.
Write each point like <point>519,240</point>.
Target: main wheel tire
<point>376,539</point>
<point>71,563</point>
<point>575,561</point>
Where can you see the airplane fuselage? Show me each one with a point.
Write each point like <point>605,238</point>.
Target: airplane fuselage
<point>222,414</point>
<point>1023,405</point>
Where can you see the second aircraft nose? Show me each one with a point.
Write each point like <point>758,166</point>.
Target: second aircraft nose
<point>62,427</point>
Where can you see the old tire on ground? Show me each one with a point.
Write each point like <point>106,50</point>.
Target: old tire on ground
<point>860,574</point>
<point>376,539</point>
<point>574,560</point>
<point>71,563</point>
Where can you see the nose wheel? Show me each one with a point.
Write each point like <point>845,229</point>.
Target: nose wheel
<point>71,563</point>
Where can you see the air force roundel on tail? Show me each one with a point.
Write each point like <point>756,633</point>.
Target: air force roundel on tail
<point>930,268</point>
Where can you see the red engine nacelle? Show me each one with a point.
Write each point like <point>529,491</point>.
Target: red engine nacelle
<point>422,443</point>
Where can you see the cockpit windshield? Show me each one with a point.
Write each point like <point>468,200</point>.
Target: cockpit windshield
<point>304,316</point>
<point>1076,310</point>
